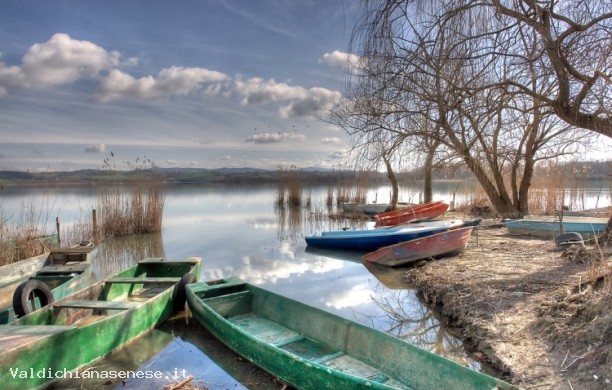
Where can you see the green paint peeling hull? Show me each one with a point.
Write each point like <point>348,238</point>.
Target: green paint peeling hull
<point>313,349</point>
<point>87,325</point>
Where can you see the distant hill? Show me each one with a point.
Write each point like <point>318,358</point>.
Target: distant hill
<point>585,170</point>
<point>171,175</point>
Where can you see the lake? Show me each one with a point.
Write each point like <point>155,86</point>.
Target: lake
<point>238,231</point>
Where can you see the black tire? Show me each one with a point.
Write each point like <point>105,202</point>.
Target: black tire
<point>179,295</point>
<point>565,240</point>
<point>27,292</point>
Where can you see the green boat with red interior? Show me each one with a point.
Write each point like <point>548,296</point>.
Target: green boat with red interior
<point>86,325</point>
<point>314,349</point>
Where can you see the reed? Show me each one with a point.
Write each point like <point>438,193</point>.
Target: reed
<point>289,187</point>
<point>24,236</point>
<point>360,190</point>
<point>329,196</point>
<point>137,210</point>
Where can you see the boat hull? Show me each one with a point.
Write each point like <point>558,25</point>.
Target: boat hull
<point>313,349</point>
<point>425,211</point>
<point>365,208</point>
<point>443,244</point>
<point>447,223</point>
<point>371,239</point>
<point>83,326</point>
<point>548,227</point>
<point>65,271</point>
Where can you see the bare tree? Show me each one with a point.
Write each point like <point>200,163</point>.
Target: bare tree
<point>437,62</point>
<point>574,47</point>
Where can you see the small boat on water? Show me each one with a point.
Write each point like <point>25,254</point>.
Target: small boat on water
<point>443,244</point>
<point>312,349</point>
<point>550,226</point>
<point>447,223</point>
<point>370,208</point>
<point>372,239</point>
<point>88,324</point>
<point>31,283</point>
<point>365,208</point>
<point>403,215</point>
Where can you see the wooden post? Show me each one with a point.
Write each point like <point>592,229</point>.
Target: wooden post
<point>57,226</point>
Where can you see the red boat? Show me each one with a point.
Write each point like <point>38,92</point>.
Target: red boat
<point>443,244</point>
<point>403,215</point>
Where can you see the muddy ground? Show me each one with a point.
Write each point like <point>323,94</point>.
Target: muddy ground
<point>541,315</point>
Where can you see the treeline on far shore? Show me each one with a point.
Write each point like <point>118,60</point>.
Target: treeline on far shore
<point>577,169</point>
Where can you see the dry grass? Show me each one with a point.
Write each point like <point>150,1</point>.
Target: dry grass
<point>136,211</point>
<point>538,315</point>
<point>289,187</point>
<point>25,235</point>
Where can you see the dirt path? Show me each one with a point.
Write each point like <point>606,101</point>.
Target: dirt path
<point>527,308</point>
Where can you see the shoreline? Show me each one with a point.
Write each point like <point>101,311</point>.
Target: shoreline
<point>531,311</point>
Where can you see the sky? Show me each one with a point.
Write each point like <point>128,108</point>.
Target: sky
<point>186,83</point>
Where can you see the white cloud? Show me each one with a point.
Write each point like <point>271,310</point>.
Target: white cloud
<point>303,102</point>
<point>330,140</point>
<point>341,60</point>
<point>171,81</point>
<point>171,162</point>
<point>318,100</point>
<point>59,61</point>
<point>271,138</point>
<point>99,148</point>
<point>63,60</point>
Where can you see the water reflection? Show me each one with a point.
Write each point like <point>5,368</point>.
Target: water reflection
<point>295,222</point>
<point>119,253</point>
<point>419,325</point>
<point>178,348</point>
<point>238,232</point>
<point>392,278</point>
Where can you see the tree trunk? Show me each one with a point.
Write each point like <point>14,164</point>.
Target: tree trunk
<point>393,180</point>
<point>498,196</point>
<point>428,173</point>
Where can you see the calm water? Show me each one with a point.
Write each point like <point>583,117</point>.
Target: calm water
<point>238,232</point>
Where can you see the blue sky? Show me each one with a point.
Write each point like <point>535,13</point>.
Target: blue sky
<point>187,83</point>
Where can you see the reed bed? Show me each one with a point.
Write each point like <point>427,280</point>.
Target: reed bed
<point>24,236</point>
<point>136,211</point>
<point>289,187</point>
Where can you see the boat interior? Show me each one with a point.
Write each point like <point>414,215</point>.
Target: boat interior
<point>304,331</point>
<point>64,264</point>
<point>111,296</point>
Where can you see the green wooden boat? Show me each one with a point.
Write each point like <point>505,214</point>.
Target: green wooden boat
<point>90,323</point>
<point>313,349</point>
<point>31,283</point>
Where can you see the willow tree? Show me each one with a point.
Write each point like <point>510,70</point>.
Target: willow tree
<point>575,46</point>
<point>440,63</point>
<point>380,131</point>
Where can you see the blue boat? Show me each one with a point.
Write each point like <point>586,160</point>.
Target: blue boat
<point>550,226</point>
<point>447,223</point>
<point>369,240</point>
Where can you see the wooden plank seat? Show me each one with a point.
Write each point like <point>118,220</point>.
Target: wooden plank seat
<point>97,305</point>
<point>169,280</point>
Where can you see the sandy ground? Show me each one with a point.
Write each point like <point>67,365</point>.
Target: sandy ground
<point>537,313</point>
